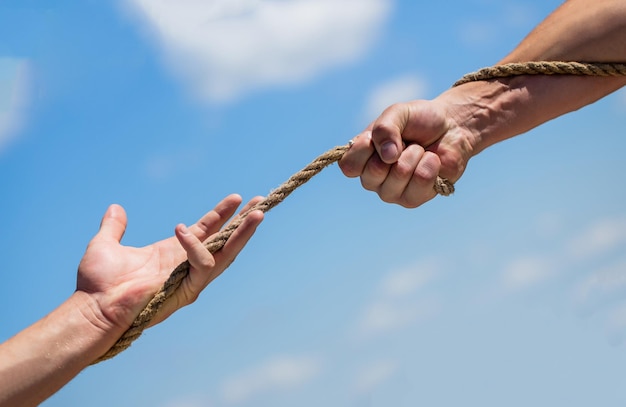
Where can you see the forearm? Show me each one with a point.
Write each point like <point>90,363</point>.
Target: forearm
<point>40,360</point>
<point>579,30</point>
<point>497,110</point>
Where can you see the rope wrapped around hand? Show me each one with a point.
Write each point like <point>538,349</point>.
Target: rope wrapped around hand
<point>442,186</point>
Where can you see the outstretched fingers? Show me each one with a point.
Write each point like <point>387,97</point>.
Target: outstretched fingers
<point>238,240</point>
<point>213,220</point>
<point>204,266</point>
<point>227,254</point>
<point>199,257</point>
<point>248,206</point>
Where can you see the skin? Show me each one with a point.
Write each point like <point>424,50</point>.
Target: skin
<point>398,156</point>
<point>401,153</point>
<point>114,284</point>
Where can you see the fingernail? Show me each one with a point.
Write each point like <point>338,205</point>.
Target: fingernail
<point>388,152</point>
<point>183,229</point>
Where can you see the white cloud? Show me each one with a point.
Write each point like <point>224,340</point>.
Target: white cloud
<point>277,374</point>
<point>473,33</point>
<point>548,225</point>
<point>163,166</point>
<point>505,16</point>
<point>603,282</point>
<point>374,375</point>
<point>407,281</point>
<point>384,316</point>
<point>616,325</point>
<point>517,15</point>
<point>400,89</point>
<point>602,291</point>
<point>526,272</point>
<point>397,304</point>
<point>225,48</point>
<point>188,402</point>
<point>599,238</point>
<point>14,83</point>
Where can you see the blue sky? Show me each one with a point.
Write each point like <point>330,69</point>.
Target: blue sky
<point>511,292</point>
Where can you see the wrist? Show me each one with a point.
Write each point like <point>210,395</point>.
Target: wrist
<point>77,332</point>
<point>42,358</point>
<point>491,111</point>
<point>98,329</point>
<point>482,110</point>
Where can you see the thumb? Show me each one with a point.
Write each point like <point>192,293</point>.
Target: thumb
<point>387,133</point>
<point>113,224</point>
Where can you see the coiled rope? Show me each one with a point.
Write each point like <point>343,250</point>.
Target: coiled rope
<point>442,186</point>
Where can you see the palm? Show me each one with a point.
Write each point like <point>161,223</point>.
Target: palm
<point>123,279</point>
<point>117,271</point>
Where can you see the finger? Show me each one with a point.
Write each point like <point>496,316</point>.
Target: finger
<point>237,241</point>
<point>113,224</point>
<point>199,257</point>
<point>212,221</point>
<point>354,160</point>
<point>400,174</point>
<point>374,173</point>
<point>425,123</point>
<point>247,208</point>
<point>204,267</point>
<point>387,132</point>
<point>250,204</point>
<point>420,188</point>
<point>201,264</point>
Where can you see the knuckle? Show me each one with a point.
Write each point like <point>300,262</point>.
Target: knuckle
<point>349,168</point>
<point>424,177</point>
<point>390,194</point>
<point>388,197</point>
<point>384,130</point>
<point>427,170</point>
<point>189,296</point>
<point>453,167</point>
<point>369,184</point>
<point>206,262</point>
<point>402,169</point>
<point>389,123</point>
<point>407,204</point>
<point>376,167</point>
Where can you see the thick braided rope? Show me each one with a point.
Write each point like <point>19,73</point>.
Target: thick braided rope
<point>545,68</point>
<point>218,241</point>
<point>442,186</point>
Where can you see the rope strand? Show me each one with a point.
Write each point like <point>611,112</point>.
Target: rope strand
<point>545,68</point>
